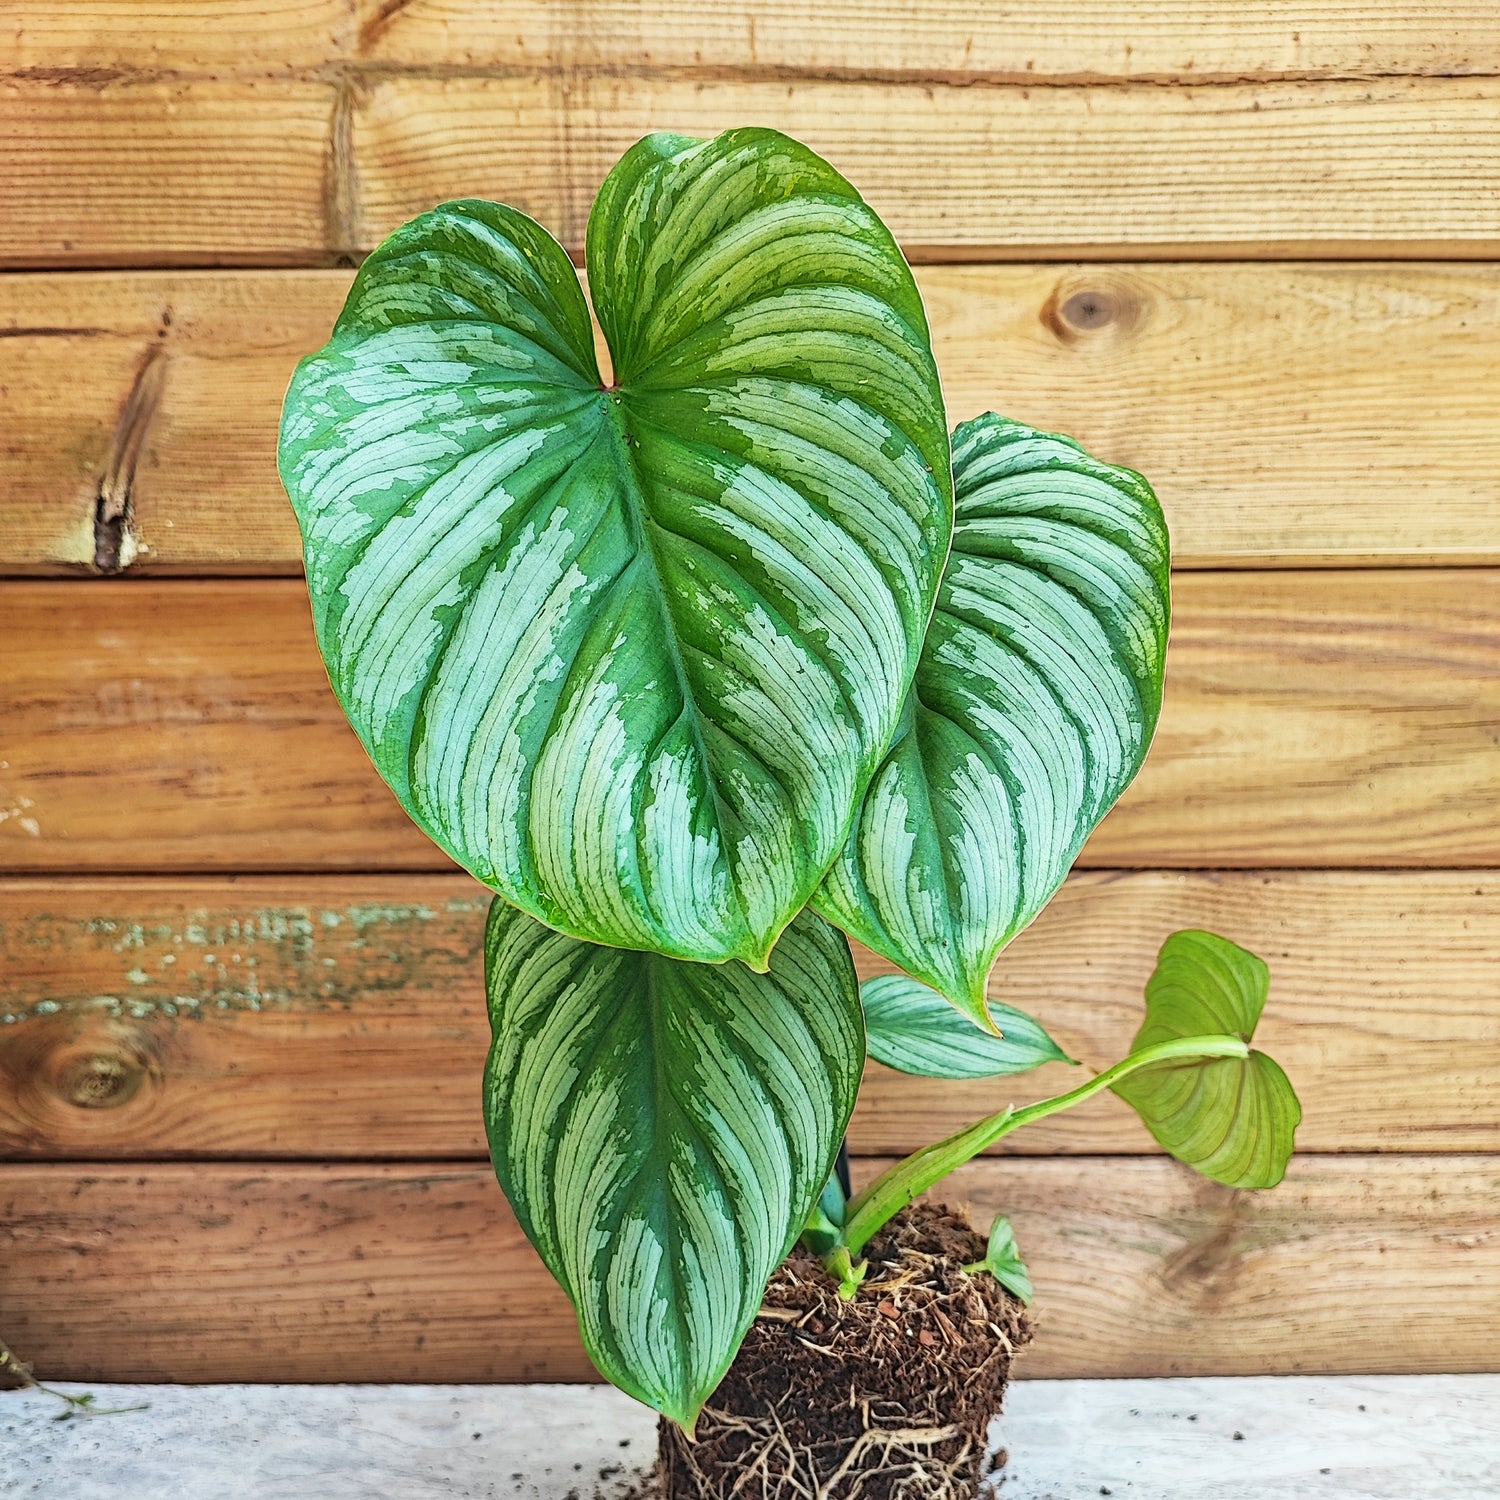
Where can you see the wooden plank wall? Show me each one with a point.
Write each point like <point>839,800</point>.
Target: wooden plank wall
<point>1249,248</point>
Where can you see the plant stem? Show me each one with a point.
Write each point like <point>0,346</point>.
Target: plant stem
<point>83,1406</point>
<point>18,1376</point>
<point>872,1209</point>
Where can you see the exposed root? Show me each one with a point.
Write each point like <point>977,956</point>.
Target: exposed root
<point>887,1397</point>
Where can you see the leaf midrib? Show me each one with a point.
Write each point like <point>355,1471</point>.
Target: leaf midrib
<point>658,1180</point>
<point>638,518</point>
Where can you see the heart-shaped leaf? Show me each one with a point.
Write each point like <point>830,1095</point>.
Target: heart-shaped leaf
<point>1233,1119</point>
<point>662,1130</point>
<point>1034,702</point>
<point>912,1028</point>
<point>631,653</point>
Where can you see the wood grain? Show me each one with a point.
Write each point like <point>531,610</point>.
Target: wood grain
<point>1287,414</point>
<point>183,726</point>
<point>204,496</point>
<point>947,39</point>
<point>1312,719</point>
<point>1144,1268</point>
<point>1322,719</point>
<point>1382,1006</point>
<point>343,1017</point>
<point>952,39</point>
<point>274,1032</point>
<point>253,1017</point>
<point>166,173</point>
<point>418,1272</point>
<point>1388,168</point>
<point>219,36</point>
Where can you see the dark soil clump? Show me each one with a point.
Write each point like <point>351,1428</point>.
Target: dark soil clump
<point>886,1397</point>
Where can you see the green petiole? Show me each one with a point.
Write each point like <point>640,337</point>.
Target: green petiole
<point>869,1211</point>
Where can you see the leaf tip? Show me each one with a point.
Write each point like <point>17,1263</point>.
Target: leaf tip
<point>685,1417</point>
<point>976,1006</point>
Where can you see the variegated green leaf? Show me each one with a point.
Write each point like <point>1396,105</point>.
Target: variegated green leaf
<point>1034,702</point>
<point>911,1028</point>
<point>1232,1118</point>
<point>631,653</point>
<point>662,1130</point>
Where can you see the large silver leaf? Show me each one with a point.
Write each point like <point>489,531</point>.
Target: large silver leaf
<point>663,1129</point>
<point>1033,705</point>
<point>631,653</point>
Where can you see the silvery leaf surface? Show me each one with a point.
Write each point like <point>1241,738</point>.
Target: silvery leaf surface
<point>913,1029</point>
<point>663,1129</point>
<point>631,651</point>
<point>1033,705</point>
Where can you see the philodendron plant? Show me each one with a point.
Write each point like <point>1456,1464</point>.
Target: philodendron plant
<point>702,665</point>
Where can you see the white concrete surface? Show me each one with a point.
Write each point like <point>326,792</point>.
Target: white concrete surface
<point>1304,1438</point>
<point>1394,1437</point>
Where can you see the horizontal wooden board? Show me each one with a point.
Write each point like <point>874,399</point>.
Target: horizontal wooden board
<point>1300,414</point>
<point>952,39</point>
<point>100,38</point>
<point>1406,168</point>
<point>166,171</point>
<point>1312,719</point>
<point>945,39</point>
<point>418,1272</point>
<point>203,491</point>
<point>343,1017</point>
<point>1144,1268</point>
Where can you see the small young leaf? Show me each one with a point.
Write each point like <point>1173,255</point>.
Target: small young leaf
<point>663,1129</point>
<point>1233,1119</point>
<point>631,654</point>
<point>1034,701</point>
<point>821,1231</point>
<point>1003,1261</point>
<point>912,1028</point>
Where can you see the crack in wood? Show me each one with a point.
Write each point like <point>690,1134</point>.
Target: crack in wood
<point>51,332</point>
<point>115,543</point>
<point>585,60</point>
<point>379,23</point>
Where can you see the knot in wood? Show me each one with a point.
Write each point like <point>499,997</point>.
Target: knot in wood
<point>1083,305</point>
<point>1089,309</point>
<point>99,1080</point>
